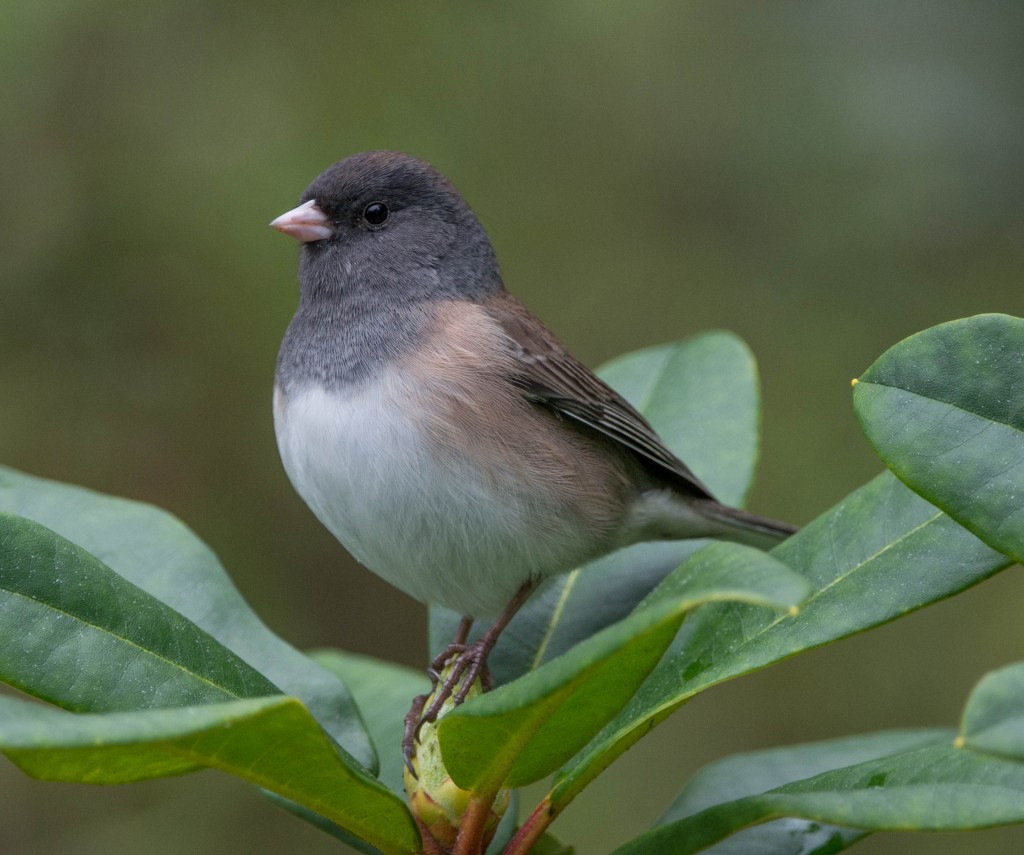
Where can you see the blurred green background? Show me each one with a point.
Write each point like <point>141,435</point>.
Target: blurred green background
<point>822,178</point>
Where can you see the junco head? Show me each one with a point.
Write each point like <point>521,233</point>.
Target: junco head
<point>387,216</point>
<point>439,429</point>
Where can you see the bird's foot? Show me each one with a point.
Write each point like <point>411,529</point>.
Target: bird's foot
<point>455,671</point>
<point>452,675</point>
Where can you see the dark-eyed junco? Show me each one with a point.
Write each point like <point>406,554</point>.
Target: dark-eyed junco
<point>437,428</point>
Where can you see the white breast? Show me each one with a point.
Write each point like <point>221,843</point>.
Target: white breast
<point>432,525</point>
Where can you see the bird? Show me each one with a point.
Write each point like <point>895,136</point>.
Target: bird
<point>440,431</point>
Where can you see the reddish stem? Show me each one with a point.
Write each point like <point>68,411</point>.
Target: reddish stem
<point>471,828</point>
<point>532,830</point>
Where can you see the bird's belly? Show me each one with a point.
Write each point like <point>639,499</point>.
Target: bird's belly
<point>430,522</point>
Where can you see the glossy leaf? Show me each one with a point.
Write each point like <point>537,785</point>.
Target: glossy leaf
<point>76,634</point>
<point>932,788</point>
<point>383,692</point>
<point>994,717</point>
<point>155,551</point>
<point>945,410</point>
<point>702,397</point>
<point>524,730</point>
<point>878,554</point>
<point>749,774</point>
<point>79,635</point>
<point>271,742</point>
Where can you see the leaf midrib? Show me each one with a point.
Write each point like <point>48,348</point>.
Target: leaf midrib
<point>950,404</point>
<point>128,641</point>
<point>556,616</point>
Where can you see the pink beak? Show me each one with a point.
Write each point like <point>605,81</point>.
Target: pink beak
<point>305,223</point>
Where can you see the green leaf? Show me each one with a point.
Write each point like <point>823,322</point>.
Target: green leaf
<point>524,730</point>
<point>76,634</point>
<point>935,787</point>
<point>156,552</point>
<point>994,717</point>
<point>271,742</point>
<point>944,410</point>
<point>383,692</point>
<point>702,397</point>
<point>880,553</point>
<point>79,635</point>
<point>749,774</point>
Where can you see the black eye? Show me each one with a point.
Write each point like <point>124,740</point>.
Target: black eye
<point>376,213</point>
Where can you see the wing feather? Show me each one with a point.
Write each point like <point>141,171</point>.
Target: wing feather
<point>549,376</point>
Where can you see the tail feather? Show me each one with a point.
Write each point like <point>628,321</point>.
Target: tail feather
<point>665,515</point>
<point>744,527</point>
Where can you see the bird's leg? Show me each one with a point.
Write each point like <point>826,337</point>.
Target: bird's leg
<point>471,659</point>
<point>415,714</point>
<point>470,662</point>
<point>456,648</point>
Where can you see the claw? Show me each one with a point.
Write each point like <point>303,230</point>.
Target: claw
<point>412,728</point>
<point>464,664</point>
<point>470,661</point>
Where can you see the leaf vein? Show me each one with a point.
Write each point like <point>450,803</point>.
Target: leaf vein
<point>141,650</point>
